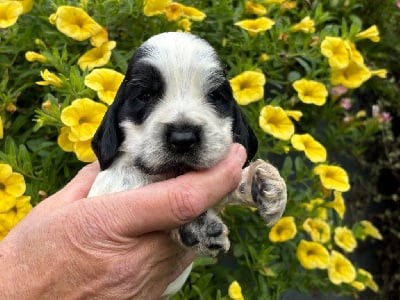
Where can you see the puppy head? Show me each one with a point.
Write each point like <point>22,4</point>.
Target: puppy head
<point>174,111</point>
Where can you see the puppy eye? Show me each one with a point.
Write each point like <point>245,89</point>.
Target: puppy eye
<point>147,96</point>
<point>144,97</point>
<point>213,96</point>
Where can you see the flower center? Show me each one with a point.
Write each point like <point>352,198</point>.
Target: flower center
<point>310,252</point>
<point>2,186</point>
<point>80,22</point>
<point>245,85</point>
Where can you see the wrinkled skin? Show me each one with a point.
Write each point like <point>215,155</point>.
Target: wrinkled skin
<point>112,246</point>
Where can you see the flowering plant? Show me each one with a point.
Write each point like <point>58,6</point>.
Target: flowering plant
<point>295,68</point>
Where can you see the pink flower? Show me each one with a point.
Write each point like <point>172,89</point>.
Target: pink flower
<point>339,90</point>
<point>398,4</point>
<point>345,103</point>
<point>385,117</point>
<point>382,117</point>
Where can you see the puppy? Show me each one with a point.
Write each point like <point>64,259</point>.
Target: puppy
<point>173,113</point>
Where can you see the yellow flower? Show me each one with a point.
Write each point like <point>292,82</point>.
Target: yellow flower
<point>256,26</point>
<point>354,55</point>
<point>70,143</point>
<point>371,230</point>
<point>372,33</point>
<point>12,186</point>
<point>359,286</point>
<point>255,8</point>
<point>63,140</point>
<point>26,5</point>
<point>336,51</point>
<point>312,149</point>
<point>274,1</point>
<point>83,117</point>
<point>193,13</point>
<point>1,129</point>
<point>173,11</point>
<point>96,57</point>
<point>306,25</point>
<point>312,255</point>
<point>333,177</point>
<point>84,152</point>
<point>264,57</point>
<point>32,56</point>
<point>338,204</point>
<point>316,204</point>
<point>288,5</point>
<point>310,91</point>
<point>344,238</point>
<point>275,121</point>
<point>185,24</point>
<point>284,230</point>
<point>382,73</point>
<point>154,7</point>
<point>49,79</point>
<point>75,23</point>
<point>248,87</point>
<point>340,269</point>
<point>105,82</point>
<point>368,280</point>
<point>11,217</point>
<point>235,291</point>
<point>294,114</point>
<point>9,13</point>
<point>353,76</point>
<point>318,229</point>
<point>100,38</point>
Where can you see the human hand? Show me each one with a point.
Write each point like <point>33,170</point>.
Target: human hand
<point>111,246</point>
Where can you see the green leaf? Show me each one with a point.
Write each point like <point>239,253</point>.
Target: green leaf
<point>293,76</point>
<point>204,261</point>
<point>287,168</point>
<point>304,63</point>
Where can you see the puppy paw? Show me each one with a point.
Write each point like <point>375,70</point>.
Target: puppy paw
<point>206,235</point>
<point>268,191</point>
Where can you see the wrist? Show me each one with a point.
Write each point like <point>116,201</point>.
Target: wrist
<point>11,278</point>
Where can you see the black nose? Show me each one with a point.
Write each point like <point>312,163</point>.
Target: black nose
<point>182,138</point>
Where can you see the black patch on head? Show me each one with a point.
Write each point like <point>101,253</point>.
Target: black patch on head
<point>141,89</point>
<point>144,88</point>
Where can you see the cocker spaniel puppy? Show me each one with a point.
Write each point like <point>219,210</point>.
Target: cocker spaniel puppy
<point>174,112</point>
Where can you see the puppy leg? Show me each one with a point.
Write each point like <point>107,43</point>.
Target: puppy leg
<point>261,187</point>
<point>206,235</point>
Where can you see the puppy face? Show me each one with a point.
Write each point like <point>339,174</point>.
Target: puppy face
<point>174,111</point>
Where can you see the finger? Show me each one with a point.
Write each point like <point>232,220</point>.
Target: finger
<point>80,185</point>
<point>76,189</point>
<point>168,204</point>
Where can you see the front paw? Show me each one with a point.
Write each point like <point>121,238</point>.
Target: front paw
<point>206,235</point>
<point>268,190</point>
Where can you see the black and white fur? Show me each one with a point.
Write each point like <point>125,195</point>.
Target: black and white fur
<point>174,112</point>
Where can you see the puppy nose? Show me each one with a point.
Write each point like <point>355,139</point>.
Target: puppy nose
<point>182,138</point>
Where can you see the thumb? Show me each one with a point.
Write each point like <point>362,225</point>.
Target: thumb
<point>168,204</point>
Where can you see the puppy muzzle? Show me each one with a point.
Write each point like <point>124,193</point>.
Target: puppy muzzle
<point>181,139</point>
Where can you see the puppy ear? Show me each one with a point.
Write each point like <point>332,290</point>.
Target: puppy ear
<point>109,136</point>
<point>243,134</point>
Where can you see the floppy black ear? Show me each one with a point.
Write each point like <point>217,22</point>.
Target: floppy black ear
<point>109,135</point>
<point>242,133</point>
